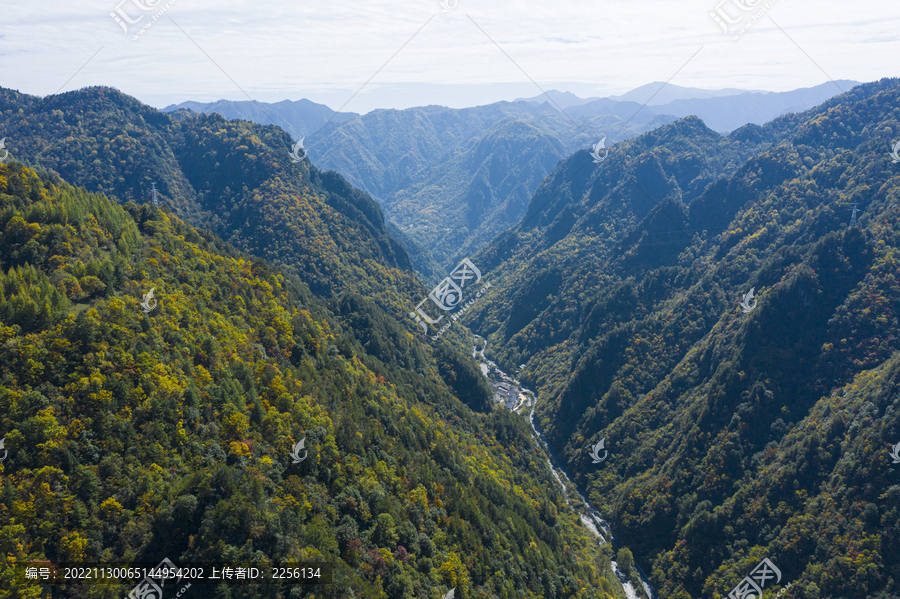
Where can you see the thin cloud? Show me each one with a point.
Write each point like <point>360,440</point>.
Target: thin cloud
<point>325,50</point>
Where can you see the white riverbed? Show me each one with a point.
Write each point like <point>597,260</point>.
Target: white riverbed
<point>589,515</point>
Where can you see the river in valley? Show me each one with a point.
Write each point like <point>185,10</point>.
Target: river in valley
<point>509,392</point>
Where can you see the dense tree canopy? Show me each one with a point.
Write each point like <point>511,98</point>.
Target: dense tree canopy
<point>135,436</point>
<point>732,436</point>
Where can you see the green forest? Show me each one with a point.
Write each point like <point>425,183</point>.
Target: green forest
<point>732,435</point>
<point>136,436</point>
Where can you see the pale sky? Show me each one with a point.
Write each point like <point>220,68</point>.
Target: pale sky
<point>327,50</point>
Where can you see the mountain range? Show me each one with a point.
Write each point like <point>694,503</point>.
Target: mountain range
<point>722,110</point>
<point>720,313</point>
<point>723,313</point>
<point>652,94</point>
<point>155,379</point>
<point>453,179</point>
<point>299,118</point>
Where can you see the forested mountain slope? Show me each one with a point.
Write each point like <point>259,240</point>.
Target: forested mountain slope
<point>453,179</point>
<point>732,435</point>
<point>235,178</point>
<point>465,202</point>
<point>135,435</point>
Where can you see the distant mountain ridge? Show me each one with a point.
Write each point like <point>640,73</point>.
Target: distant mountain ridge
<point>727,113</point>
<point>722,110</point>
<point>652,94</point>
<point>659,93</point>
<point>418,162</point>
<point>557,98</point>
<point>300,118</point>
<point>414,161</point>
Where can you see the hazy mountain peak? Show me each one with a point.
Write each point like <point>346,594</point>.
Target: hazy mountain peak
<point>666,93</point>
<point>298,117</point>
<point>561,99</point>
